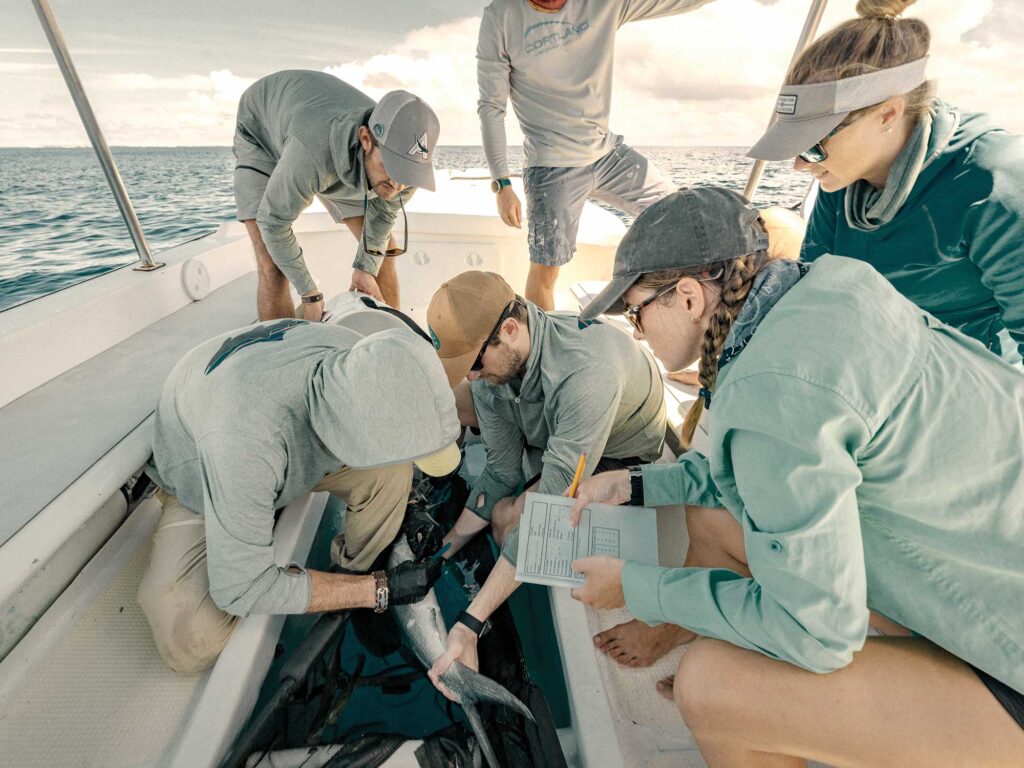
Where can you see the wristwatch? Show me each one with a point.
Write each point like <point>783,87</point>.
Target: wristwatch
<point>381,594</point>
<point>313,298</point>
<point>499,184</point>
<point>472,623</point>
<point>636,487</point>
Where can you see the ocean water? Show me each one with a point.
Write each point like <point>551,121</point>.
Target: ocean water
<point>59,224</point>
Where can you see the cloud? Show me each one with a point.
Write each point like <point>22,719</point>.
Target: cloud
<point>705,77</point>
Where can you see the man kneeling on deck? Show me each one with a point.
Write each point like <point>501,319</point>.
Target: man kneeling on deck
<point>255,418</point>
<point>547,382</point>
<point>302,134</point>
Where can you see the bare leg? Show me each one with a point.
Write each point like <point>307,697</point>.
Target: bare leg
<point>540,285</point>
<point>273,299</point>
<point>716,541</point>
<point>901,702</point>
<point>506,513</point>
<point>387,277</point>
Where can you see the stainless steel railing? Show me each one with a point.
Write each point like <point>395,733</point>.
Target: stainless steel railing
<point>92,128</point>
<point>811,23</point>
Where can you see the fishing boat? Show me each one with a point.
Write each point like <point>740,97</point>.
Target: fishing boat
<point>81,682</point>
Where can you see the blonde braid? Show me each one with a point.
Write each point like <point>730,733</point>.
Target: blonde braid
<point>737,279</point>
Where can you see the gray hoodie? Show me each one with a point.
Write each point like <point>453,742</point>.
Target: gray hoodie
<point>253,419</point>
<point>309,122</point>
<point>588,387</point>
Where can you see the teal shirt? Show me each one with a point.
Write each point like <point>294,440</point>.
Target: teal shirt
<point>956,247</point>
<point>308,122</point>
<point>873,457</point>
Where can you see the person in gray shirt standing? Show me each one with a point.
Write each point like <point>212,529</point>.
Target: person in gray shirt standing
<point>253,419</point>
<point>545,385</point>
<point>554,59</point>
<point>302,134</point>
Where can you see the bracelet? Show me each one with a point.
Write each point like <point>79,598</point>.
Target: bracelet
<point>380,580</point>
<point>636,487</point>
<point>312,298</point>
<point>472,623</point>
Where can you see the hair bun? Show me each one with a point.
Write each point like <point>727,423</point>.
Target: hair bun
<point>882,9</point>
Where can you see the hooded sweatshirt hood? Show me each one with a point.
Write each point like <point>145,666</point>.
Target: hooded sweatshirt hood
<point>345,404</point>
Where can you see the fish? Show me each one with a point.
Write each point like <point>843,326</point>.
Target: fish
<point>422,627</point>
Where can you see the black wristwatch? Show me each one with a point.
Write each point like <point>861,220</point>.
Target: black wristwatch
<point>636,487</point>
<point>472,623</point>
<point>312,298</point>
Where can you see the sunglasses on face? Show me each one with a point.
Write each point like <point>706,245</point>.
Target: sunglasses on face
<point>633,313</point>
<point>478,364</point>
<point>817,153</point>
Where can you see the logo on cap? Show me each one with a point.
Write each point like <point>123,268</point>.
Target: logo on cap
<point>420,147</point>
<point>786,105</point>
<point>378,130</point>
<point>433,338</point>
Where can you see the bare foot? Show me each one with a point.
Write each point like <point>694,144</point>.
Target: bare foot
<point>664,687</point>
<point>635,644</point>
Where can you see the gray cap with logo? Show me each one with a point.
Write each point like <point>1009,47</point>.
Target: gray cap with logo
<point>689,228</point>
<point>406,129</point>
<point>807,113</point>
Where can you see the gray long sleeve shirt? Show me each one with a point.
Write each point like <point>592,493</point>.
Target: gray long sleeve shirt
<point>253,419</point>
<point>307,123</point>
<point>557,69</point>
<point>588,388</point>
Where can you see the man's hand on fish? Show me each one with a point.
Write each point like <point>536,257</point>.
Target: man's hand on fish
<point>603,587</point>
<point>461,648</point>
<point>410,582</point>
<point>605,488</point>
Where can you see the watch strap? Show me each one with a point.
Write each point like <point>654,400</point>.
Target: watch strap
<point>472,623</point>
<point>381,591</point>
<point>499,184</point>
<point>313,298</point>
<point>636,487</point>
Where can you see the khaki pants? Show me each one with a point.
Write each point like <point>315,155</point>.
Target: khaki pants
<point>188,628</point>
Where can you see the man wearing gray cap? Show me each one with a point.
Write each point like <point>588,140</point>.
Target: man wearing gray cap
<point>302,134</point>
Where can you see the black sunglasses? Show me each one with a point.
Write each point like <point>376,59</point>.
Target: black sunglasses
<point>405,230</point>
<point>478,364</point>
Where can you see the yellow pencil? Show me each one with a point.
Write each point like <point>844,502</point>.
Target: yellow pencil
<point>579,474</point>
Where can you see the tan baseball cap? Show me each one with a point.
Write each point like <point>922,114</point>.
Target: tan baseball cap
<point>440,463</point>
<point>463,315</point>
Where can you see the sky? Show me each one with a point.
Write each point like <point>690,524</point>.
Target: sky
<point>170,74</point>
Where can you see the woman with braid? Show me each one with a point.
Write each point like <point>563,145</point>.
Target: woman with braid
<point>930,195</point>
<point>864,461</point>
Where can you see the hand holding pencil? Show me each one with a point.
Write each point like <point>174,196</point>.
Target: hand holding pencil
<point>605,488</point>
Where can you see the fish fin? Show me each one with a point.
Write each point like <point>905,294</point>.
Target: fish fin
<point>476,723</point>
<point>479,687</point>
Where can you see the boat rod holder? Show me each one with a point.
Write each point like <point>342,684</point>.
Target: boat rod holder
<point>92,128</point>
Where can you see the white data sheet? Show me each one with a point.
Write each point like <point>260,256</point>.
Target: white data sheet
<point>548,545</point>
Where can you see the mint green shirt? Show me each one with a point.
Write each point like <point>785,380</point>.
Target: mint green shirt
<point>873,457</point>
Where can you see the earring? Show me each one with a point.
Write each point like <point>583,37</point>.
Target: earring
<point>888,128</point>
<point>695,320</point>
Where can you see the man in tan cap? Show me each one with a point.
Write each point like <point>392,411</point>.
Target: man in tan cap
<point>546,385</point>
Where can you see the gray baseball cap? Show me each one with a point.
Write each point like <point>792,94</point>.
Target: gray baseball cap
<point>689,228</point>
<point>406,129</point>
<point>806,114</point>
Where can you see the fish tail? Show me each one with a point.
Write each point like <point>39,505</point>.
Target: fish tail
<point>481,688</point>
<point>476,723</point>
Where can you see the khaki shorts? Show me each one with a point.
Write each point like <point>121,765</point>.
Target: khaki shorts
<point>188,628</point>
<point>253,167</point>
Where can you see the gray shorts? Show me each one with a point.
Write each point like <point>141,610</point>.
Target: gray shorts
<point>253,166</point>
<point>623,178</point>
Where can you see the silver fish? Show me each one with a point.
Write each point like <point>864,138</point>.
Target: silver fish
<point>422,626</point>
